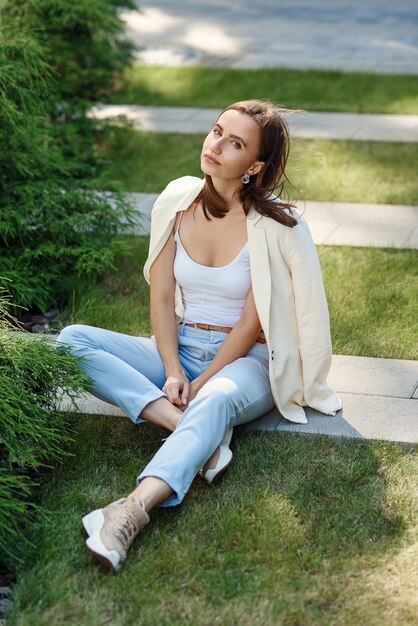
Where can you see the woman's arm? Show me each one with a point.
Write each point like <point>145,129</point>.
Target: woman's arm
<point>241,338</point>
<point>163,321</point>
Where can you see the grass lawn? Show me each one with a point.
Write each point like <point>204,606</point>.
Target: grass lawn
<point>313,90</point>
<point>302,530</point>
<point>345,171</point>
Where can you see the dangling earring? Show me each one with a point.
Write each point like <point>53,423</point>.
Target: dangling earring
<point>246,178</point>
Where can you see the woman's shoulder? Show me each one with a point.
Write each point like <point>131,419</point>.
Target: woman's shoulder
<point>292,211</point>
<point>178,192</point>
<point>287,238</point>
<point>178,188</point>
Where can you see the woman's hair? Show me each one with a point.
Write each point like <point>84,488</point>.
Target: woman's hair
<point>274,151</point>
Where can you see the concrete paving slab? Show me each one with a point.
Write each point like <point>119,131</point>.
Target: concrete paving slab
<point>347,35</point>
<point>382,236</point>
<point>321,231</point>
<point>90,405</point>
<point>306,125</point>
<point>362,417</point>
<point>412,241</point>
<point>396,378</point>
<point>337,223</point>
<point>367,417</point>
<point>311,125</point>
<point>360,213</point>
<point>374,128</point>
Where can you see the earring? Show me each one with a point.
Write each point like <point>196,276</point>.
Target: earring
<point>246,178</point>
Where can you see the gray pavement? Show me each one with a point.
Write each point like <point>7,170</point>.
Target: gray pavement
<point>348,35</point>
<point>379,397</point>
<point>333,223</point>
<point>306,125</point>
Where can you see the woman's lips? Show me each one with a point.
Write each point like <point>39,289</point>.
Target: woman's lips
<point>211,159</point>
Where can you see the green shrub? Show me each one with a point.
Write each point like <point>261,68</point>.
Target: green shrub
<point>33,374</point>
<point>54,226</point>
<point>84,42</point>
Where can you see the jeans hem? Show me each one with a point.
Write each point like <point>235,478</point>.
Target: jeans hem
<point>134,414</point>
<point>174,499</point>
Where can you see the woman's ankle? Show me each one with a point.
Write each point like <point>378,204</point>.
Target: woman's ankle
<point>162,413</point>
<point>151,491</point>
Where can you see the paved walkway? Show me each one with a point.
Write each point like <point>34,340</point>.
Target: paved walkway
<point>334,223</point>
<point>353,126</point>
<point>379,397</point>
<point>349,35</point>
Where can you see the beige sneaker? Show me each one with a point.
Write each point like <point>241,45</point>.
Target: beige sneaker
<point>112,530</point>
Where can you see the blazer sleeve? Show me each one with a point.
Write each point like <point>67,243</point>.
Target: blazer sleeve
<point>312,318</point>
<point>158,222</point>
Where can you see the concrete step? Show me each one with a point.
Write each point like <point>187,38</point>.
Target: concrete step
<point>379,396</point>
<point>372,36</point>
<point>334,223</point>
<point>348,126</point>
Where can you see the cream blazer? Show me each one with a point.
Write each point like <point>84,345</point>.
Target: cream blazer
<point>289,296</point>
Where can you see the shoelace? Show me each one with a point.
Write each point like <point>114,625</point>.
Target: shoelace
<point>128,528</point>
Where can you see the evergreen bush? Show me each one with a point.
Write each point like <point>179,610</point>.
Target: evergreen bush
<point>55,59</point>
<point>33,374</point>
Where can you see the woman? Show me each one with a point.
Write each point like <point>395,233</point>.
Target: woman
<point>239,315</point>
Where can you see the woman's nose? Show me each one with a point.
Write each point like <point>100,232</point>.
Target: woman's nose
<point>216,146</point>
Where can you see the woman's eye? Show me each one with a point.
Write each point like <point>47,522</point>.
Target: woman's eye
<point>218,133</point>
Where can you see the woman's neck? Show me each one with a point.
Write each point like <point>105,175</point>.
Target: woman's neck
<point>229,191</point>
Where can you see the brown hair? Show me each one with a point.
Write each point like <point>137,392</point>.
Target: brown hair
<point>274,151</point>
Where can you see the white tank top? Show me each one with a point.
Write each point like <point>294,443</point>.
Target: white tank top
<point>212,295</point>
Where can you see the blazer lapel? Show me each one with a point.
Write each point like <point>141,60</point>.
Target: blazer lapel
<point>259,266</point>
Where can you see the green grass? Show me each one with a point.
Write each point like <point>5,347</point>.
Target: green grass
<point>301,531</point>
<point>313,90</point>
<point>120,301</point>
<point>345,171</point>
<point>371,296</point>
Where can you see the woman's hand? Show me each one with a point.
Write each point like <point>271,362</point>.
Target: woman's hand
<point>177,389</point>
<point>194,387</point>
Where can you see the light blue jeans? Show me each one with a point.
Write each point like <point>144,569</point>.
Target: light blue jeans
<point>129,372</point>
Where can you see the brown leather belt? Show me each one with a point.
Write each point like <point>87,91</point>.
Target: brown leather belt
<point>222,329</point>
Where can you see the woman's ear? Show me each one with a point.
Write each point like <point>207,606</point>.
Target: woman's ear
<point>255,167</point>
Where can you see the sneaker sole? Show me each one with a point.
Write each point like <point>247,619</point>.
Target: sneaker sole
<point>211,476</point>
<point>110,559</point>
<point>219,475</point>
<point>93,522</point>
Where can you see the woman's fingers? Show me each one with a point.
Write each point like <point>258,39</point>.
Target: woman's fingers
<point>177,390</point>
<point>173,393</point>
<point>185,392</point>
<point>172,389</point>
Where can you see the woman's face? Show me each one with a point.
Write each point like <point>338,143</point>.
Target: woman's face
<point>231,147</point>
